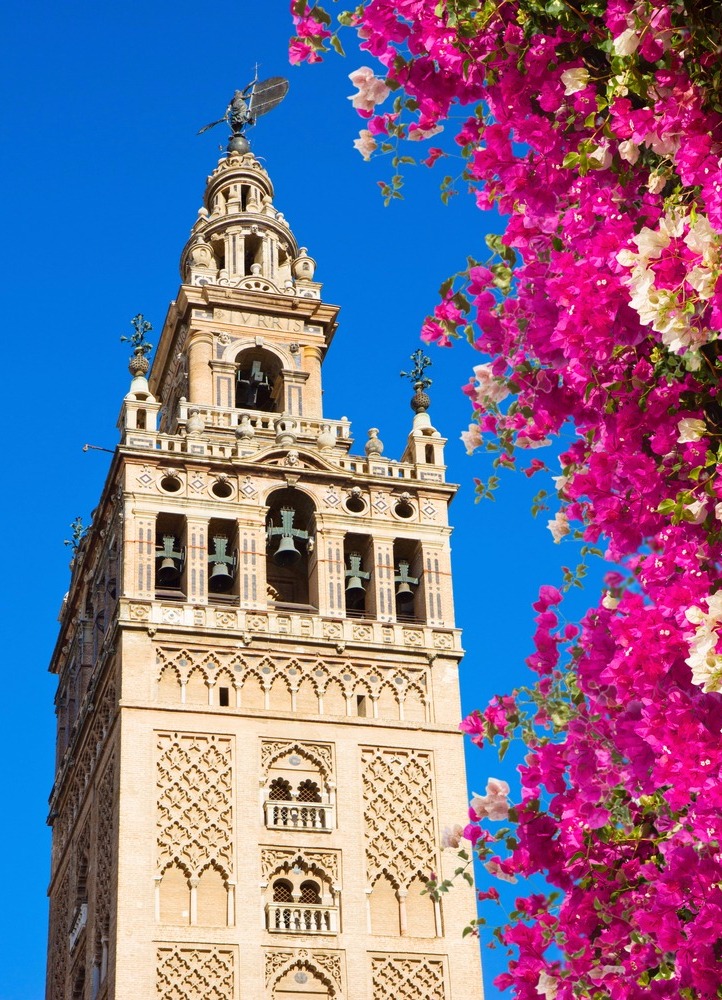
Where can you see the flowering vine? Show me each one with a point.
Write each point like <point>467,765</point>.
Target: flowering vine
<point>595,126</point>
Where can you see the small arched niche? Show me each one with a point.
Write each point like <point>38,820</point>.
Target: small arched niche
<point>290,554</point>
<point>259,385</point>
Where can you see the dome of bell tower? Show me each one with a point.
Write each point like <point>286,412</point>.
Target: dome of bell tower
<point>241,240</point>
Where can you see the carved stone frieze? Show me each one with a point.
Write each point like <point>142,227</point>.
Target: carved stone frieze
<point>398,812</point>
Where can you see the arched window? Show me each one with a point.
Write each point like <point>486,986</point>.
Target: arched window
<point>310,893</point>
<point>291,556</point>
<point>258,382</point>
<point>282,891</point>
<point>308,791</point>
<point>280,789</point>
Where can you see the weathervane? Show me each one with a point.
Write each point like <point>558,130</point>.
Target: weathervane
<point>246,106</point>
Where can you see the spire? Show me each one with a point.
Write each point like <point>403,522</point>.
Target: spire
<point>240,239</point>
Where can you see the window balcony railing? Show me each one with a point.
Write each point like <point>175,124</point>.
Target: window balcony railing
<point>290,815</point>
<point>78,925</point>
<point>301,918</point>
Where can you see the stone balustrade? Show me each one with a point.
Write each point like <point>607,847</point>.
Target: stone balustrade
<point>301,918</point>
<point>294,815</point>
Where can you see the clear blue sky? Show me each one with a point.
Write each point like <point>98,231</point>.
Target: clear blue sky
<point>102,178</point>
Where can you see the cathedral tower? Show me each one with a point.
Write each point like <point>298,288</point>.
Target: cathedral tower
<point>258,696</point>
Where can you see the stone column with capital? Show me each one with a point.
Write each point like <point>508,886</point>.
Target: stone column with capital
<point>200,353</point>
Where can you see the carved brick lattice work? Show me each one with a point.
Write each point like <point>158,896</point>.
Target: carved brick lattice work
<point>202,973</point>
<point>104,855</point>
<point>83,770</point>
<point>328,687</point>
<point>59,929</point>
<point>195,792</point>
<point>399,977</point>
<point>398,809</point>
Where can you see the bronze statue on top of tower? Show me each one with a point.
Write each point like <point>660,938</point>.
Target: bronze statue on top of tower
<point>247,105</point>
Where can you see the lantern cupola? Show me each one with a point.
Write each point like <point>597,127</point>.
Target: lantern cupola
<point>241,240</point>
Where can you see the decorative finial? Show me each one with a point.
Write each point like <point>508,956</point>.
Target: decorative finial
<point>139,364</point>
<point>420,401</point>
<point>246,106</point>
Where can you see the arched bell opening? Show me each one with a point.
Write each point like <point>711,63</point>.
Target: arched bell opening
<point>222,561</point>
<point>259,385</point>
<point>253,255</point>
<point>290,550</point>
<point>358,560</point>
<point>170,549</point>
<point>407,580</point>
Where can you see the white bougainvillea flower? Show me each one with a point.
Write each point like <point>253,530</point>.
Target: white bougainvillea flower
<point>627,43</point>
<point>365,144</point>
<point>704,660</point>
<point>547,986</point>
<point>559,526</point>
<point>471,438</point>
<point>371,89</point>
<point>575,80</point>
<point>690,429</point>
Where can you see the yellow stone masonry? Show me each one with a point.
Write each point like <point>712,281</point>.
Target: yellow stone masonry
<point>257,667</point>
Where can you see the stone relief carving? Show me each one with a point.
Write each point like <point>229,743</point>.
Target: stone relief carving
<point>398,811</point>
<point>59,929</point>
<point>319,753</point>
<point>195,795</point>
<point>389,686</point>
<point>399,977</point>
<point>200,973</point>
<point>275,858</point>
<point>328,963</point>
<point>84,768</point>
<point>104,852</point>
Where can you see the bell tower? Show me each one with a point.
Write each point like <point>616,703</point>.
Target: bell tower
<point>257,665</point>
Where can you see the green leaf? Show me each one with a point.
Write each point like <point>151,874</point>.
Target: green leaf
<point>336,44</point>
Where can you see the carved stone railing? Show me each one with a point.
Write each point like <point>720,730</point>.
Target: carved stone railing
<point>78,925</point>
<point>292,815</point>
<point>262,623</point>
<point>301,918</point>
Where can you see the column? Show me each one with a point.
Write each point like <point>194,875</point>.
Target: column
<point>197,560</point>
<point>200,350</point>
<point>382,592</point>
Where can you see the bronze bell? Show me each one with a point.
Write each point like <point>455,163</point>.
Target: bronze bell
<point>286,555</point>
<point>355,590</point>
<point>224,566</point>
<point>404,593</point>
<point>168,573</point>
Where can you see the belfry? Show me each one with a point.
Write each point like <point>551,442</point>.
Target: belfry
<point>258,699</point>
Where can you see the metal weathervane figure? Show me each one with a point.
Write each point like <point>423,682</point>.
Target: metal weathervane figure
<point>246,106</point>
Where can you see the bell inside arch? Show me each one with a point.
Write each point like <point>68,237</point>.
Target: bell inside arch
<point>355,590</point>
<point>404,593</point>
<point>286,555</point>
<point>223,566</point>
<point>169,562</point>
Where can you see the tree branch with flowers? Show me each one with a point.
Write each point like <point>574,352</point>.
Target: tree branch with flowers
<point>595,127</point>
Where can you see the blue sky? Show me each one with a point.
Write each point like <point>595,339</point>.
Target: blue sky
<point>103,175</point>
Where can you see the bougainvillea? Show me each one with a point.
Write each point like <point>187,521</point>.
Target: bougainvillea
<point>595,126</point>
